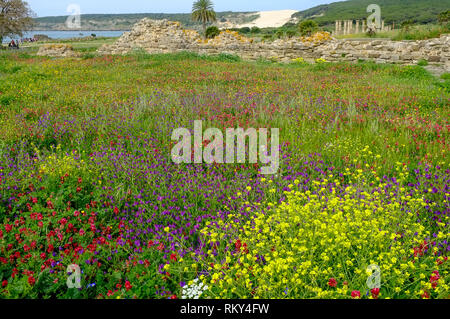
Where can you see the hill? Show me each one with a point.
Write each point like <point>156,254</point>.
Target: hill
<point>392,11</point>
<point>126,21</point>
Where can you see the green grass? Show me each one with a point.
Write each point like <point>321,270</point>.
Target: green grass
<point>71,86</point>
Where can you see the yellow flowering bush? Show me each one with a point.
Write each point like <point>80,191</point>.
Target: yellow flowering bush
<point>318,37</point>
<point>57,164</point>
<point>319,244</point>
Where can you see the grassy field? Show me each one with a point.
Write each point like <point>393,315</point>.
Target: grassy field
<point>86,178</point>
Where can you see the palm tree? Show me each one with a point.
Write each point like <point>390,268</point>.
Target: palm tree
<point>203,11</point>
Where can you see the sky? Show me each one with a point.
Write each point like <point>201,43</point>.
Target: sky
<point>45,8</point>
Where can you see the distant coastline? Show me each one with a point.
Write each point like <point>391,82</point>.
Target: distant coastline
<point>69,34</point>
<point>79,30</point>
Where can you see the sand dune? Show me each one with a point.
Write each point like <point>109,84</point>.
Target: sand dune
<point>268,19</point>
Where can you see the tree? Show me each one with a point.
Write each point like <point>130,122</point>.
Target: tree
<point>308,27</point>
<point>203,11</point>
<point>15,18</point>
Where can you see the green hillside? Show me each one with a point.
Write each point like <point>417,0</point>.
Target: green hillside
<point>419,11</point>
<point>126,21</point>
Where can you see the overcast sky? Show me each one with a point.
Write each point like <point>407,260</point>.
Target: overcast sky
<point>55,8</point>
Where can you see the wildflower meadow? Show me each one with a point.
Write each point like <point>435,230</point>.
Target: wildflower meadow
<point>358,208</point>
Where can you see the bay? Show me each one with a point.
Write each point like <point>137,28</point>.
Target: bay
<point>68,34</point>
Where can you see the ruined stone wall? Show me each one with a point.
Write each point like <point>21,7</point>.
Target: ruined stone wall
<point>162,36</point>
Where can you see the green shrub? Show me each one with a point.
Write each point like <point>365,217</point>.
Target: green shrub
<point>88,56</point>
<point>444,17</point>
<point>212,32</point>
<point>422,62</point>
<point>308,27</point>
<point>371,33</point>
<point>267,37</point>
<point>279,34</point>
<point>445,76</point>
<point>244,30</point>
<point>255,30</point>
<point>290,33</point>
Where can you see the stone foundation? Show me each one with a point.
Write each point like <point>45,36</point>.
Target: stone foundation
<point>162,36</point>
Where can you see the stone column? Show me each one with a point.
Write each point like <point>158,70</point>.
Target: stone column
<point>357,26</point>
<point>337,27</point>
<point>382,25</point>
<point>364,27</point>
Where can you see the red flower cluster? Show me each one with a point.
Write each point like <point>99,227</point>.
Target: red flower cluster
<point>420,251</point>
<point>434,279</point>
<point>375,292</point>
<point>332,282</point>
<point>238,244</point>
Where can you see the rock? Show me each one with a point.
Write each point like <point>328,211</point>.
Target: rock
<point>434,58</point>
<point>58,50</point>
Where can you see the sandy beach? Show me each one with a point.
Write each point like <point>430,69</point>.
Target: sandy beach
<point>268,19</point>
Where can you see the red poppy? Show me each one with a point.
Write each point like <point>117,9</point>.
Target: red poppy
<point>332,282</point>
<point>173,257</point>
<point>173,297</point>
<point>375,292</point>
<point>356,294</point>
<point>8,228</point>
<point>4,283</point>
<point>128,285</point>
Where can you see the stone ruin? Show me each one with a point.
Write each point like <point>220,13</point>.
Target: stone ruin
<point>162,36</point>
<point>58,50</point>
